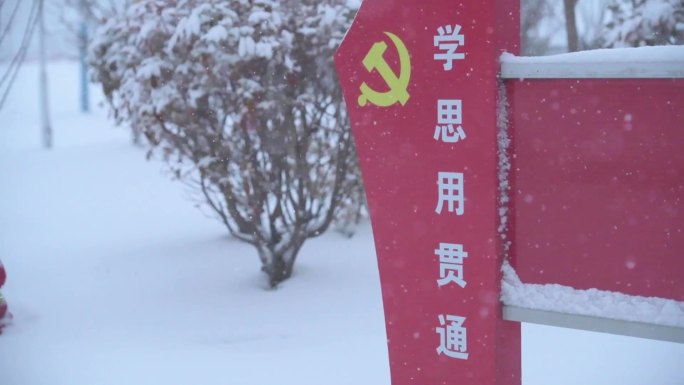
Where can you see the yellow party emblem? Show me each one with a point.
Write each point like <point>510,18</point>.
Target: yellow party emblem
<point>398,85</point>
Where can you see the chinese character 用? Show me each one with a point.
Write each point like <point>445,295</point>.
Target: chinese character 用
<point>450,185</point>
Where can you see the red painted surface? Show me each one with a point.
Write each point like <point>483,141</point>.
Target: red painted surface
<point>598,184</point>
<point>400,161</point>
<point>507,14</point>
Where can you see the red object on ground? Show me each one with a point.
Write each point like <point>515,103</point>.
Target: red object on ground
<point>413,75</point>
<point>4,313</point>
<point>3,275</point>
<point>598,184</point>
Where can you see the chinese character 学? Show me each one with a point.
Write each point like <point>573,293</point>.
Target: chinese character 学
<point>451,264</point>
<point>448,115</point>
<point>452,337</point>
<point>447,40</point>
<point>450,185</point>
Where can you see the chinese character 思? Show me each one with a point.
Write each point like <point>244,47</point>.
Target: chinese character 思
<point>450,185</point>
<point>452,337</point>
<point>447,40</point>
<point>448,115</point>
<point>451,264</point>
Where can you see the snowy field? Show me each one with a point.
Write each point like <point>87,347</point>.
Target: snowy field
<point>114,277</point>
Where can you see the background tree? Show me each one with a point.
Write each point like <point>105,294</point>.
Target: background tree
<point>635,23</point>
<point>551,26</point>
<point>591,20</point>
<point>81,17</point>
<point>14,19</point>
<point>241,98</point>
<point>569,6</point>
<point>539,23</point>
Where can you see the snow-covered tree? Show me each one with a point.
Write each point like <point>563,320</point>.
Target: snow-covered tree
<point>241,98</point>
<point>635,23</point>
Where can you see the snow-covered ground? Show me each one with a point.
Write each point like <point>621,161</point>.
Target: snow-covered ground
<point>114,277</point>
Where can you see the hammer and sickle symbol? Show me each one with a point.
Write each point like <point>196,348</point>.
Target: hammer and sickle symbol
<point>398,85</point>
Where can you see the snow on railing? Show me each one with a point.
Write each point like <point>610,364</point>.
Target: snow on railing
<point>592,309</point>
<point>641,62</point>
<point>591,302</point>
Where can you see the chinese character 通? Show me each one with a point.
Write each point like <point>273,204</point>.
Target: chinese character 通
<point>447,41</point>
<point>452,337</point>
<point>449,114</point>
<point>451,263</point>
<point>450,185</point>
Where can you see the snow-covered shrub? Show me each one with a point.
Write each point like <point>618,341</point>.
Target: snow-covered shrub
<point>635,23</point>
<point>241,98</point>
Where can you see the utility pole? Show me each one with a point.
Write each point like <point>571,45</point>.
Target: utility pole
<point>44,102</point>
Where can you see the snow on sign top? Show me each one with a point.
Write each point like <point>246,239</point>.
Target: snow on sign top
<point>591,302</point>
<point>641,62</point>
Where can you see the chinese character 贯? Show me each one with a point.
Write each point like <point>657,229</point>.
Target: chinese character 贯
<point>447,40</point>
<point>451,264</point>
<point>450,185</point>
<point>452,337</point>
<point>449,113</point>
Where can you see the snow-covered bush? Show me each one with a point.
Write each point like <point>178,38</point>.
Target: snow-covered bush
<point>241,98</point>
<point>635,23</point>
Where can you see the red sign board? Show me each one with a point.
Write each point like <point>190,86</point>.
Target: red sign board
<point>419,79</point>
<point>598,182</point>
